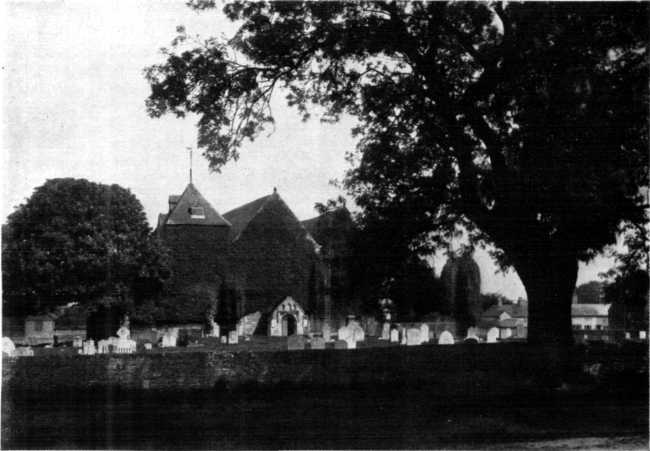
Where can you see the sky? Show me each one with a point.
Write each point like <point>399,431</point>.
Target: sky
<point>73,93</point>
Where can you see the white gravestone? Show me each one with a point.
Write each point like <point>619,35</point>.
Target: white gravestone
<point>492,335</point>
<point>215,331</point>
<point>394,336</point>
<point>446,338</point>
<point>385,332</point>
<point>357,331</point>
<point>103,346</point>
<point>148,346</point>
<point>8,346</point>
<point>413,337</point>
<point>233,337</point>
<point>424,333</point>
<point>124,345</point>
<point>89,347</point>
<point>327,332</point>
<point>642,335</point>
<point>347,334</point>
<point>247,324</point>
<point>170,338</point>
<point>628,336</point>
<point>224,339</point>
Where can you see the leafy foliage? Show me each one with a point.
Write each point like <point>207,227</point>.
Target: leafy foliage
<point>76,241</point>
<point>524,123</point>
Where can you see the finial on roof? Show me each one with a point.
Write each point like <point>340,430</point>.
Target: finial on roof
<point>190,149</point>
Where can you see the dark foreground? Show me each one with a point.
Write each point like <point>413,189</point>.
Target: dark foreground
<point>284,416</point>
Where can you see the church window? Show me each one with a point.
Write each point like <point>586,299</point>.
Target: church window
<point>197,213</point>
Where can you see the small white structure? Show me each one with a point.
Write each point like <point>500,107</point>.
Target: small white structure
<point>385,332</point>
<point>169,338</point>
<point>493,335</point>
<point>147,346</point>
<point>215,331</point>
<point>124,344</point>
<point>402,335</point>
<point>327,332</point>
<point>247,324</point>
<point>233,337</point>
<point>446,338</point>
<point>424,333</point>
<point>103,346</point>
<point>394,336</point>
<point>89,348</point>
<point>8,347</point>
<point>413,337</point>
<point>642,335</point>
<point>288,318</point>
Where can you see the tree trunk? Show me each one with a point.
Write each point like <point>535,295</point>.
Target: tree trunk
<point>549,282</point>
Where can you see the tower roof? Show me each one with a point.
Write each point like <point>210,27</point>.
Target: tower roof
<point>192,208</point>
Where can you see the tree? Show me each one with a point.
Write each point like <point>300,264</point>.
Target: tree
<point>462,282</point>
<point>628,296</point>
<point>590,292</point>
<point>77,241</point>
<point>524,123</point>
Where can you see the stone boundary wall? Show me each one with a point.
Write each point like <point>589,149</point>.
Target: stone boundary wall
<point>468,369</point>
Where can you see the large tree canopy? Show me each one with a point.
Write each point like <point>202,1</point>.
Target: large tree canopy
<point>76,241</point>
<point>525,123</point>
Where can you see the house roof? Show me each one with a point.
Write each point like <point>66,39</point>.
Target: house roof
<point>191,197</point>
<point>514,310</point>
<point>589,310</point>
<point>508,323</point>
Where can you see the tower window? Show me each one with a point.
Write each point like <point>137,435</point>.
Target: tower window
<point>197,213</point>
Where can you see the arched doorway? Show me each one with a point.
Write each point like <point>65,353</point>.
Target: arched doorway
<point>288,325</point>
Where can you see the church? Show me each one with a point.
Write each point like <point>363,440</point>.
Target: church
<point>256,256</point>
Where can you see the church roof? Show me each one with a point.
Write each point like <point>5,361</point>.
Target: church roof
<point>240,217</point>
<point>193,208</point>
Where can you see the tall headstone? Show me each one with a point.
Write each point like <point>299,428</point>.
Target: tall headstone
<point>402,335</point>
<point>413,337</point>
<point>424,333</point>
<point>642,335</point>
<point>492,335</point>
<point>8,346</point>
<point>327,332</point>
<point>385,331</point>
<point>248,324</point>
<point>394,336</point>
<point>169,338</point>
<point>233,337</point>
<point>446,338</point>
<point>77,342</point>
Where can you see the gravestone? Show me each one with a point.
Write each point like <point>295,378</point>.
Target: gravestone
<point>470,340</point>
<point>340,344</point>
<point>472,334</point>
<point>215,330</point>
<point>8,346</point>
<point>628,336</point>
<point>248,324</point>
<point>233,337</point>
<point>224,340</point>
<point>318,343</point>
<point>104,346</point>
<point>446,338</point>
<point>394,336</point>
<point>89,347</point>
<point>327,332</point>
<point>169,338</point>
<point>357,331</point>
<point>385,332</point>
<point>642,335</point>
<point>413,337</point>
<point>148,346</point>
<point>296,342</point>
<point>493,335</point>
<point>424,333</point>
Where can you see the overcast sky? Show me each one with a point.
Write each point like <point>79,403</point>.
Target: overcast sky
<point>73,97</point>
